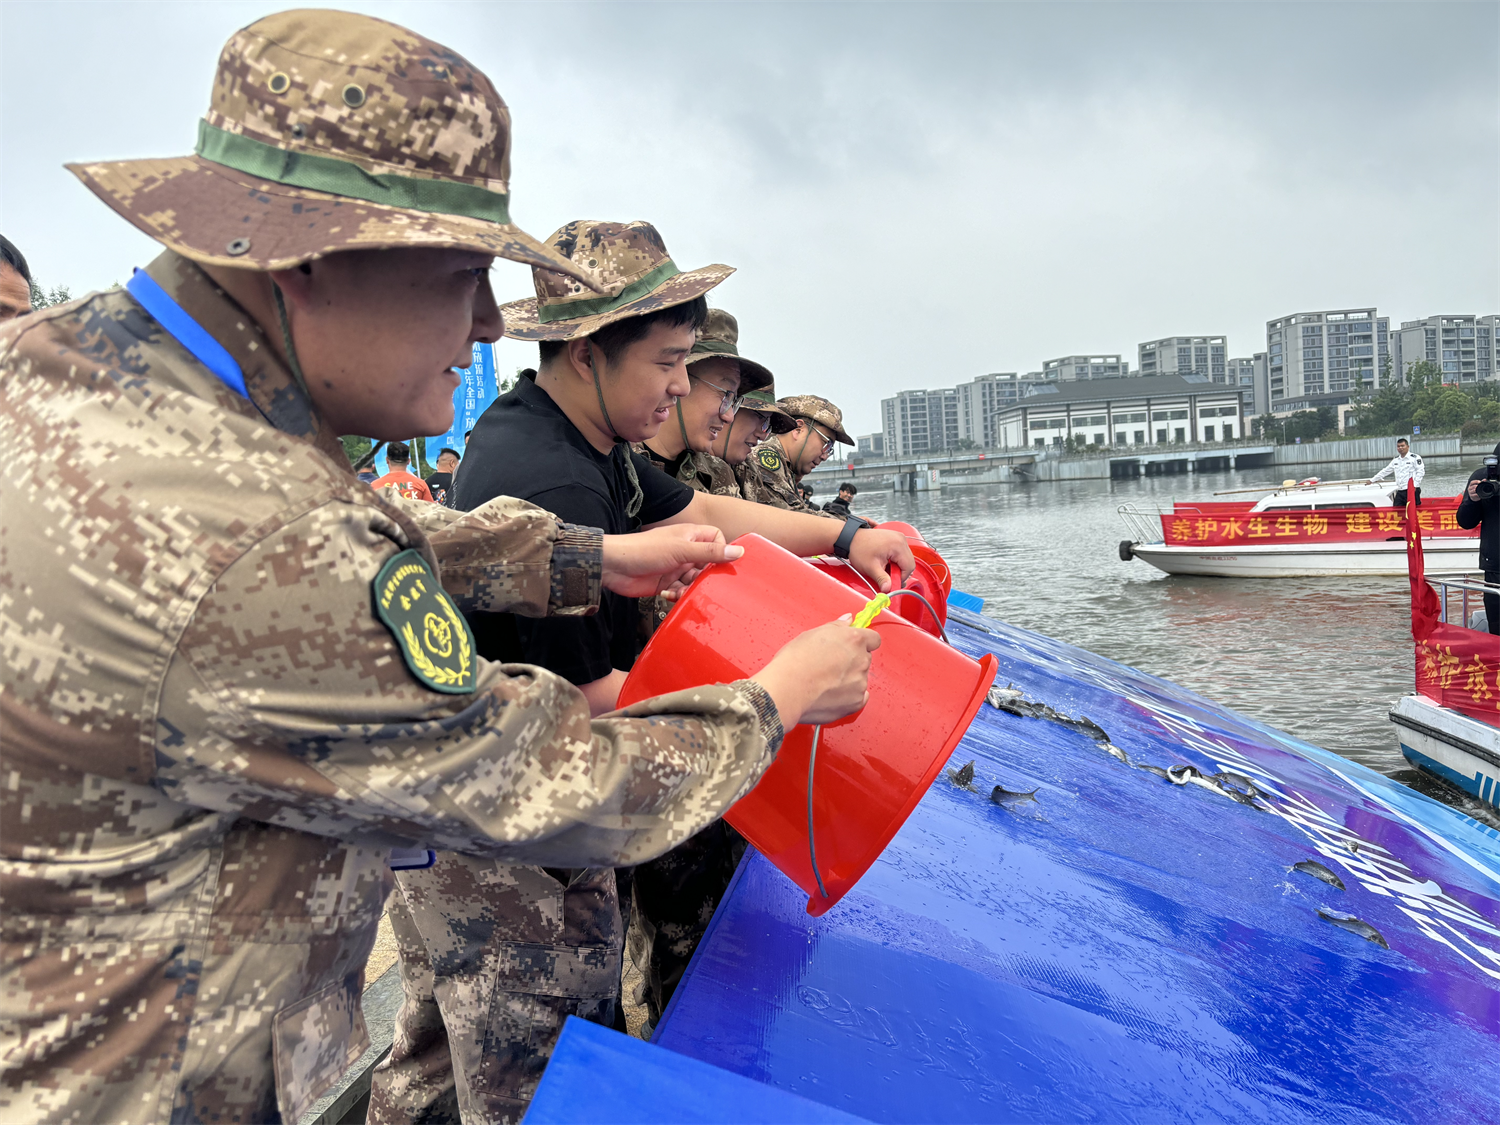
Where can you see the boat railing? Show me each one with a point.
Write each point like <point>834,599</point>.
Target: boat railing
<point>1463,588</point>
<point>1144,525</point>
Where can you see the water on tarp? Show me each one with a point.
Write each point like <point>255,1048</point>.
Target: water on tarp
<point>1321,658</point>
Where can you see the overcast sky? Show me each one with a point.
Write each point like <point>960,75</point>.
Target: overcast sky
<point>914,194</point>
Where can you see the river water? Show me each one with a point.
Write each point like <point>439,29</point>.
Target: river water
<point>1320,658</point>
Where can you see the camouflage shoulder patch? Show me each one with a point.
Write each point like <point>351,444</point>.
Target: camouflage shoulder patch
<point>433,636</point>
<point>769,459</point>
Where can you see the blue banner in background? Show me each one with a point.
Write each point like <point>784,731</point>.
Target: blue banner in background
<point>470,400</point>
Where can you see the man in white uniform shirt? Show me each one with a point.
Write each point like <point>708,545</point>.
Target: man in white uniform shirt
<point>1409,472</point>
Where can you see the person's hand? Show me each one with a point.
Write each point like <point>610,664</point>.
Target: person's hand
<point>821,675</point>
<point>1473,490</point>
<point>663,560</point>
<point>872,552</point>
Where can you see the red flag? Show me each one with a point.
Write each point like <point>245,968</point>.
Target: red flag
<point>1426,609</point>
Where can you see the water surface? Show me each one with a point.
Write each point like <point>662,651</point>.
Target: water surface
<point>1320,658</point>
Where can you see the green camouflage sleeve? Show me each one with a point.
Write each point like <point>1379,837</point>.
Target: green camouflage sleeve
<point>505,555</point>
<point>288,701</point>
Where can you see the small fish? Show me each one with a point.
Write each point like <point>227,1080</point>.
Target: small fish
<point>1317,871</point>
<point>1157,770</point>
<point>1003,796</point>
<point>1114,751</point>
<point>1228,779</point>
<point>1181,775</point>
<point>964,777</point>
<point>1353,925</point>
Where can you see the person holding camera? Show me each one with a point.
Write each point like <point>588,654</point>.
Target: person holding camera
<point>1480,508</point>
<point>1409,471</point>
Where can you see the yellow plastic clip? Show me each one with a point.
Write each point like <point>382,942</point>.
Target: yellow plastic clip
<point>872,609</point>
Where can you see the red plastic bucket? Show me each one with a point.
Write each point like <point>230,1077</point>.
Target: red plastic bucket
<point>923,581</point>
<point>873,767</point>
<point>924,552</point>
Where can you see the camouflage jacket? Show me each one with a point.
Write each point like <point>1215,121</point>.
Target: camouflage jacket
<point>766,478</point>
<point>702,472</point>
<point>211,741</point>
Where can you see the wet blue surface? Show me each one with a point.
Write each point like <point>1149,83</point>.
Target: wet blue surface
<point>598,1076</point>
<point>1123,949</point>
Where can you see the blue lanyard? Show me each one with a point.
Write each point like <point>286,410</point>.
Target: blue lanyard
<point>187,331</point>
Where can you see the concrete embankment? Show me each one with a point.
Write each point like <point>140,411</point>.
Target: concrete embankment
<point>1135,461</point>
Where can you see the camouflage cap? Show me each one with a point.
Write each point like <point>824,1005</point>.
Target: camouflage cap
<point>764,401</point>
<point>329,131</point>
<point>820,411</point>
<point>626,262</point>
<point>720,336</point>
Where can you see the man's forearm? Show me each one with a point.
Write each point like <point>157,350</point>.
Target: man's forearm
<point>798,532</point>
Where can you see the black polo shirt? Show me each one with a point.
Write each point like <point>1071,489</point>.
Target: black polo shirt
<point>525,446</point>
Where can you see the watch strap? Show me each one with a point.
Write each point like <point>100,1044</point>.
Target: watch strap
<point>846,537</point>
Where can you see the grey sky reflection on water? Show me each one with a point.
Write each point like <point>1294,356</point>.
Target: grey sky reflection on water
<point>1319,658</point>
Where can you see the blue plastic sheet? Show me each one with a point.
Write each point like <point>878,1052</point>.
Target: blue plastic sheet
<point>1123,948</point>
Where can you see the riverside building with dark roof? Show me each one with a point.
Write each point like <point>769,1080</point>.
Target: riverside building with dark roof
<point>1145,410</point>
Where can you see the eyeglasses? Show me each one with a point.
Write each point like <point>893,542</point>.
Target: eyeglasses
<point>762,421</point>
<point>733,400</point>
<point>828,442</point>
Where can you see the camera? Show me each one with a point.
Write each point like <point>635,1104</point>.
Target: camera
<point>1489,484</point>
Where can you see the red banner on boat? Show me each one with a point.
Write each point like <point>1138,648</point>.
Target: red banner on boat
<point>1457,667</point>
<point>1214,527</point>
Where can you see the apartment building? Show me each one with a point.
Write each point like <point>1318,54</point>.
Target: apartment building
<point>1461,346</point>
<point>1070,367</point>
<point>1325,356</point>
<point>871,445</point>
<point>919,422</point>
<point>1184,355</point>
<point>1148,410</point>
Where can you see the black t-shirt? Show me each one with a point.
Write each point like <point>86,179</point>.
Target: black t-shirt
<point>439,484</point>
<point>524,446</point>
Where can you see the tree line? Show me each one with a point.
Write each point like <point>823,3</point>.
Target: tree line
<point>1421,400</point>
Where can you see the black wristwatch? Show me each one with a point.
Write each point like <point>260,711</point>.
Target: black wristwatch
<point>846,537</point>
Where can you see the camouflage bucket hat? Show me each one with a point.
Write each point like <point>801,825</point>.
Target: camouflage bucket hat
<point>626,262</point>
<point>763,401</point>
<point>328,131</point>
<point>819,411</point>
<point>720,336</point>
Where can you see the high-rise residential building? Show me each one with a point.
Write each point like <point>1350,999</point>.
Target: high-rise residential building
<point>1184,355</point>
<point>980,399</point>
<point>918,422</point>
<point>1071,367</point>
<point>1461,346</point>
<point>1325,355</point>
<point>1241,372</point>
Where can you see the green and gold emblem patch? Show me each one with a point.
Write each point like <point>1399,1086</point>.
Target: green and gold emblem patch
<point>433,636</point>
<point>769,459</point>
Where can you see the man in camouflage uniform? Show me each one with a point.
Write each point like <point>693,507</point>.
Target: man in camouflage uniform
<point>771,474</point>
<point>234,677</point>
<point>721,380</point>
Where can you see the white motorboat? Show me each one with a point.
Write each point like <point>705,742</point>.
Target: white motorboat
<point>1302,528</point>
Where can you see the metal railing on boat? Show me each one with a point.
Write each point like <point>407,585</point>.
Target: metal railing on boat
<point>1465,586</point>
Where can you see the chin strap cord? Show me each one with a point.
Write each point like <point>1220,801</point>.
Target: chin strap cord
<point>637,496</point>
<point>291,349</point>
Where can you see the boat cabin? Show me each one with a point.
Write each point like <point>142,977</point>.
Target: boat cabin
<point>1315,495</point>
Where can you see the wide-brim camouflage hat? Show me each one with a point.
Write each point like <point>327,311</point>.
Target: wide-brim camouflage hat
<point>328,131</point>
<point>627,263</point>
<point>818,410</point>
<point>720,338</point>
<point>764,402</point>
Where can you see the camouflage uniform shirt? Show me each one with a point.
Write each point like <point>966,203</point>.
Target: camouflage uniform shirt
<point>766,478</point>
<point>210,741</point>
